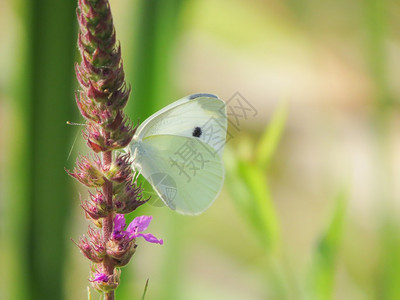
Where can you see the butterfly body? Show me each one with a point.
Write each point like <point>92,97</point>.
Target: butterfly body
<point>178,150</point>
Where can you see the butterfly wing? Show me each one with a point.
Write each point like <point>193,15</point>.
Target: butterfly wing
<point>185,172</point>
<point>200,116</point>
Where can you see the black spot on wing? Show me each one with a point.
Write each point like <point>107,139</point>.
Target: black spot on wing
<point>197,132</point>
<point>194,96</point>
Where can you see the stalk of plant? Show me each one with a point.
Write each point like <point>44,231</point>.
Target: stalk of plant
<point>101,100</point>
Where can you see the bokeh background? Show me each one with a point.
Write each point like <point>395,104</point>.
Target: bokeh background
<point>310,206</point>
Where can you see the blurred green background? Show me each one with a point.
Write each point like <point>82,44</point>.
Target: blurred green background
<point>310,208</point>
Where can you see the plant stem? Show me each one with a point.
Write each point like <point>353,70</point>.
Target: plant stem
<point>109,295</point>
<point>107,190</point>
<point>108,221</point>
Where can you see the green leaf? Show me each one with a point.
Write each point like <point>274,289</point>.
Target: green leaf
<point>247,184</point>
<point>272,135</point>
<point>156,30</point>
<point>322,273</point>
<point>38,201</point>
<point>238,188</point>
<point>262,205</point>
<point>389,287</point>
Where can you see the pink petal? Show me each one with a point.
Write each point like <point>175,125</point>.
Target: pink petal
<point>151,238</point>
<point>100,277</point>
<point>119,222</point>
<point>141,223</point>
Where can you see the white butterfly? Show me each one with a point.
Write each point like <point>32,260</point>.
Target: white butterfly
<point>178,150</point>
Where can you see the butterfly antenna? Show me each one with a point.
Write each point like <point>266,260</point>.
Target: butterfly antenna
<point>75,124</point>
<point>72,147</point>
<point>76,136</point>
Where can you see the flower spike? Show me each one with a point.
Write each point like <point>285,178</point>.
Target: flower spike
<point>102,96</point>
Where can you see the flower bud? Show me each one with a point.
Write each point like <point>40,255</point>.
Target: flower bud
<point>100,114</point>
<point>92,248</point>
<point>103,282</point>
<point>120,169</point>
<point>115,139</point>
<point>96,207</point>
<point>128,197</point>
<point>94,137</point>
<point>88,172</point>
<point>119,98</point>
<point>121,250</point>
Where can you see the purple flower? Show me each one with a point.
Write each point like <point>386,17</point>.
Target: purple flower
<point>119,225</point>
<point>133,230</point>
<point>100,277</point>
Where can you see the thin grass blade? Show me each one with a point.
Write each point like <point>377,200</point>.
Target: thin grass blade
<point>321,280</point>
<point>271,137</point>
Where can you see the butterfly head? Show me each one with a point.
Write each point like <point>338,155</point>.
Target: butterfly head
<point>197,132</point>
